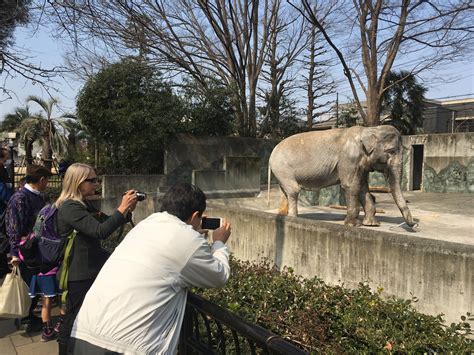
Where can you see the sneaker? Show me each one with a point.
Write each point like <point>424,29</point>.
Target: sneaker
<point>48,334</point>
<point>57,326</point>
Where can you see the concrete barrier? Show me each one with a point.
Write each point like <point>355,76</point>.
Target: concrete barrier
<point>242,173</point>
<point>438,273</point>
<point>115,185</point>
<point>209,180</point>
<point>240,177</point>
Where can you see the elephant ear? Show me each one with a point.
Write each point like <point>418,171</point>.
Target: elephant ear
<point>368,141</point>
<point>391,142</point>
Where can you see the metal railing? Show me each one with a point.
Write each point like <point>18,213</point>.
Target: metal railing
<point>55,181</point>
<point>210,329</point>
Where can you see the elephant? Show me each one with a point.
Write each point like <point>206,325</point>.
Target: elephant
<point>317,159</point>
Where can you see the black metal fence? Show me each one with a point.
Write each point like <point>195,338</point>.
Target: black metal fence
<point>55,181</point>
<point>211,329</point>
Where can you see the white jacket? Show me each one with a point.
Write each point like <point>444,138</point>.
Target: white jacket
<point>136,305</point>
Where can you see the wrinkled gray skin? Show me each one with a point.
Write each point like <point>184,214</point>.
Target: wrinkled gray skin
<point>314,160</point>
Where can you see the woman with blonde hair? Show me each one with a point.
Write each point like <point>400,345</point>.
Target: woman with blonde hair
<point>87,257</point>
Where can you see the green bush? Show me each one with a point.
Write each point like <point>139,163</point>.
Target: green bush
<point>332,319</point>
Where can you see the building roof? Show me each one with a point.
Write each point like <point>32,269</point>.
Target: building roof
<point>454,105</point>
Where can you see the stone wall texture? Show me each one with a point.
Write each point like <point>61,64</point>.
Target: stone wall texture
<point>187,153</point>
<point>448,162</point>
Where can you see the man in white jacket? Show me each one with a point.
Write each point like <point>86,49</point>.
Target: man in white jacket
<point>136,305</point>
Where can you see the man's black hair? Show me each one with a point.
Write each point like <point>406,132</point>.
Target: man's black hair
<point>34,173</point>
<point>182,200</point>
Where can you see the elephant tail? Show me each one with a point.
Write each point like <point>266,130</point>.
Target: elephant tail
<point>268,184</point>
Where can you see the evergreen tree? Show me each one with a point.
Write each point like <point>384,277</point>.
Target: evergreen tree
<point>131,112</point>
<point>403,102</point>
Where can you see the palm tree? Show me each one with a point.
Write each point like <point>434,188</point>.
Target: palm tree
<point>20,121</point>
<point>403,102</point>
<point>52,130</point>
<point>12,121</point>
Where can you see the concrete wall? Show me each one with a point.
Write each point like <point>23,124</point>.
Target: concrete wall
<point>448,162</point>
<point>240,177</point>
<point>438,273</point>
<point>187,153</point>
<point>142,211</point>
<point>116,185</point>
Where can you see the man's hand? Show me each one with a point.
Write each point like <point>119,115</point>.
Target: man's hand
<point>222,233</point>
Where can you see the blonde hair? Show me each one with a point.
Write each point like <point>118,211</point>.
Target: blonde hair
<point>75,175</point>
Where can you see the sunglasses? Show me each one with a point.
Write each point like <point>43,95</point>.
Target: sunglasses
<point>92,180</point>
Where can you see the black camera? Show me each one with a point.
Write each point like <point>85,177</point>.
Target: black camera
<point>140,196</point>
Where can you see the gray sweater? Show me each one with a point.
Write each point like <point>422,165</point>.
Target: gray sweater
<point>87,256</point>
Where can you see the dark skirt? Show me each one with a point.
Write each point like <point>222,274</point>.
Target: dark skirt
<point>46,286</point>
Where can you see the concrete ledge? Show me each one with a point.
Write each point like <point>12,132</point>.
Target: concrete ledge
<point>232,193</point>
<point>438,273</point>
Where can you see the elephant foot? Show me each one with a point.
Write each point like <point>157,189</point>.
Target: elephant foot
<point>283,208</point>
<point>371,222</point>
<point>352,222</point>
<point>283,212</point>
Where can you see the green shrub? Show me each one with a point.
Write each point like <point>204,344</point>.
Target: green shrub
<point>333,319</point>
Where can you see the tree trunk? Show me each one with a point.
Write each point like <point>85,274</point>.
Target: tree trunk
<point>252,120</point>
<point>373,111</point>
<point>47,152</point>
<point>310,89</point>
<point>29,152</point>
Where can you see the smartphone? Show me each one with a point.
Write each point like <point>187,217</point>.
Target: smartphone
<point>211,223</point>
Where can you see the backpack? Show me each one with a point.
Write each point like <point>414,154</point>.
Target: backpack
<point>43,250</point>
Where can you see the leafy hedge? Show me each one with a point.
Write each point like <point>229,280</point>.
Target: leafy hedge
<point>332,319</point>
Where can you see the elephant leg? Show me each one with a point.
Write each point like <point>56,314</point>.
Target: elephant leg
<point>283,209</point>
<point>368,204</point>
<point>289,204</point>
<point>293,203</point>
<point>353,207</point>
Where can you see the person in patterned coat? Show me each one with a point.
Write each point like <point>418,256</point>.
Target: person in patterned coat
<point>22,210</point>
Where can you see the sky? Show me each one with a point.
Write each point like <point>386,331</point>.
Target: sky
<point>457,79</point>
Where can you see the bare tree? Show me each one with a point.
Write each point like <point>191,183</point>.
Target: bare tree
<point>220,39</point>
<point>285,46</point>
<point>420,34</point>
<point>14,61</point>
<point>317,82</point>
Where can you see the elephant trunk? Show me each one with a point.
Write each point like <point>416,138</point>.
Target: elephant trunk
<point>394,181</point>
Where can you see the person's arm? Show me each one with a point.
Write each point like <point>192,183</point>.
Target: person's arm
<point>15,222</point>
<point>76,215</point>
<point>208,266</point>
